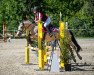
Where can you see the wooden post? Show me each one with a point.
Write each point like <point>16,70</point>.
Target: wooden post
<point>4,32</point>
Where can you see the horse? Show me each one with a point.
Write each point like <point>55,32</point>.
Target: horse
<point>32,35</point>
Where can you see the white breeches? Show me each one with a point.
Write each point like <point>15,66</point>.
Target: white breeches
<point>47,22</point>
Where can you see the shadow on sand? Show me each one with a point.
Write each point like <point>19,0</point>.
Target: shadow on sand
<point>29,64</point>
<point>82,67</point>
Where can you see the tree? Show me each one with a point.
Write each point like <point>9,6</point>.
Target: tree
<point>79,13</point>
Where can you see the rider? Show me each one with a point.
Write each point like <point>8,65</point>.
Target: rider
<point>43,17</point>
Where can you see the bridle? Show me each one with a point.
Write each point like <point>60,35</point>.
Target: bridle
<point>26,26</point>
<point>23,30</point>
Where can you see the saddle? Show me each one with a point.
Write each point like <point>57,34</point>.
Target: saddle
<point>51,28</point>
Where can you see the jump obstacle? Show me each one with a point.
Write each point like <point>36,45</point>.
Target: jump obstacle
<point>27,48</point>
<point>42,56</point>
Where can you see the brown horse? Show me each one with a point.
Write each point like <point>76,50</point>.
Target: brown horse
<point>33,31</point>
<point>32,35</point>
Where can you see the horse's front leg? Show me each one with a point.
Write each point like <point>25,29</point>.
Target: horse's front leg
<point>29,41</point>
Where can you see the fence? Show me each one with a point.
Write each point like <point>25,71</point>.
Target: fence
<point>76,32</point>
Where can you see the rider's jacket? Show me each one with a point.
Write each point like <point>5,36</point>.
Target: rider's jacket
<point>43,17</point>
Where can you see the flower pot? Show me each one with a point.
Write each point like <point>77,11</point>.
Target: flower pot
<point>67,67</point>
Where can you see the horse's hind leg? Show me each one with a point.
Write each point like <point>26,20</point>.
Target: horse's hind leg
<point>74,47</point>
<point>75,42</point>
<point>72,54</point>
<point>79,56</point>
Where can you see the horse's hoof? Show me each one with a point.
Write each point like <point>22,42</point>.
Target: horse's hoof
<point>74,60</point>
<point>79,49</point>
<point>80,58</point>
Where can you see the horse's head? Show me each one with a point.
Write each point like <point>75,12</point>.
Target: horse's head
<point>23,26</point>
<point>20,29</point>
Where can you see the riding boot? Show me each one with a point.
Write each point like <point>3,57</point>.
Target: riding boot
<point>50,34</point>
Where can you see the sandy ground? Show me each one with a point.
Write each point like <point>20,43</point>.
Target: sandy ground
<point>12,60</point>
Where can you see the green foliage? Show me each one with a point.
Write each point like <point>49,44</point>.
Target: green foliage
<point>65,47</point>
<point>79,13</point>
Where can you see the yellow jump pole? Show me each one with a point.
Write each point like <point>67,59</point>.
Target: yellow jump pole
<point>45,53</point>
<point>62,27</point>
<point>40,51</point>
<point>27,49</point>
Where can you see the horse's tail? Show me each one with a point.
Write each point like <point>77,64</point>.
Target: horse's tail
<point>75,42</point>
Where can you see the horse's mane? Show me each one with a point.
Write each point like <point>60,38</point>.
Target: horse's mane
<point>30,21</point>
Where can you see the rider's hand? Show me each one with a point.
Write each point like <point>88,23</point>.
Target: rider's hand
<point>36,21</point>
